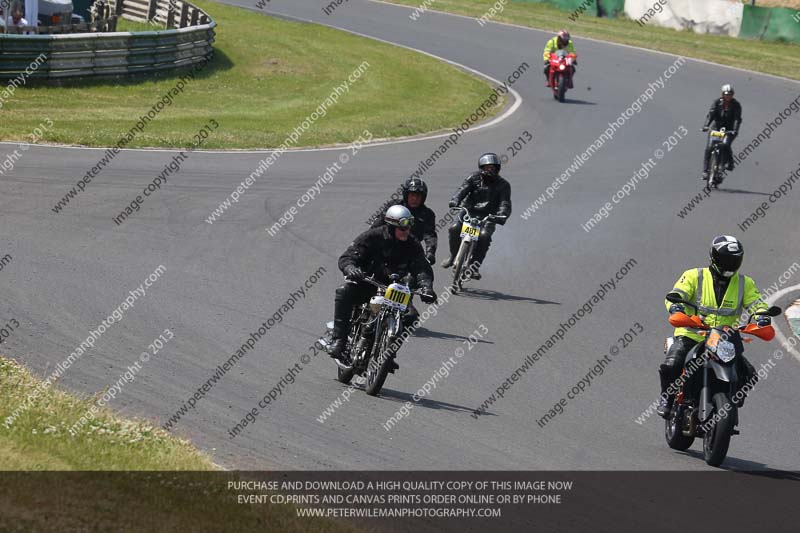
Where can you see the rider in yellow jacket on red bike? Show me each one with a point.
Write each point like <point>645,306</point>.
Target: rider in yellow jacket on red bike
<point>559,42</point>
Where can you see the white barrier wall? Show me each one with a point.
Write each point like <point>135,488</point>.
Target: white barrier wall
<point>721,17</point>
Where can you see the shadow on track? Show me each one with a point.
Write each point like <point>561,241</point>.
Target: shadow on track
<point>424,332</point>
<point>403,397</point>
<point>741,191</point>
<point>487,294</point>
<point>743,466</point>
<point>577,102</point>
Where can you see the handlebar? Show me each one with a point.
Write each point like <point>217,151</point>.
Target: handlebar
<point>680,319</point>
<point>487,218</point>
<point>675,298</point>
<point>371,281</point>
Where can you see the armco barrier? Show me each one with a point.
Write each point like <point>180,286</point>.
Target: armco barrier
<point>725,17</point>
<point>188,41</point>
<point>770,24</point>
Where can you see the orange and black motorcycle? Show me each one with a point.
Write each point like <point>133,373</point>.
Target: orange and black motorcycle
<point>706,404</point>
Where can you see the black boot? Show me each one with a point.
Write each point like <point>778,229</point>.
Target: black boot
<point>474,273</point>
<point>341,327</point>
<point>665,402</point>
<point>339,340</point>
<point>454,242</point>
<point>410,316</point>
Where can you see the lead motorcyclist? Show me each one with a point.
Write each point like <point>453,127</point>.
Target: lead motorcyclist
<point>721,294</point>
<point>378,252</point>
<point>725,112</point>
<point>484,193</point>
<point>560,41</point>
<point>415,192</point>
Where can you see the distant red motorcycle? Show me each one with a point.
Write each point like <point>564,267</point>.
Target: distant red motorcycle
<point>561,73</point>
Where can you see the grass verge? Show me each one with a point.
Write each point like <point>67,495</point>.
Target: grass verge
<point>39,439</point>
<point>115,501</point>
<point>781,59</point>
<point>266,77</point>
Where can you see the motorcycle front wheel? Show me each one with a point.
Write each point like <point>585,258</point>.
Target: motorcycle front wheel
<point>562,88</point>
<point>718,438</point>
<point>461,259</point>
<point>714,165</point>
<point>378,367</point>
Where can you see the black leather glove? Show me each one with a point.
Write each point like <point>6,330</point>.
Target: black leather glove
<point>676,308</point>
<point>427,295</point>
<point>430,258</point>
<point>705,128</point>
<point>353,272</point>
<point>453,203</point>
<point>732,132</point>
<point>763,321</point>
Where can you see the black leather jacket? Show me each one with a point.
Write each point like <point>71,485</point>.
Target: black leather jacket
<point>483,198</point>
<point>424,228</point>
<point>377,253</point>
<point>730,119</point>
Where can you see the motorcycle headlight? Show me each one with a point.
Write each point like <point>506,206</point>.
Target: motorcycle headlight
<point>561,67</point>
<point>726,351</point>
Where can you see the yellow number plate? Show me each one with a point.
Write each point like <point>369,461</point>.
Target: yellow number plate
<point>718,134</point>
<point>396,296</point>
<point>472,231</point>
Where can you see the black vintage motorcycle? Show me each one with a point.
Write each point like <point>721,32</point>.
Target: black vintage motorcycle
<point>716,165</point>
<point>470,232</point>
<point>706,403</point>
<point>375,334</point>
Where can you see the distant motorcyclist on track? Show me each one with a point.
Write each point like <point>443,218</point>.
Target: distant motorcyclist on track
<point>378,252</point>
<point>725,112</point>
<point>721,294</point>
<point>484,193</point>
<point>415,192</point>
<point>560,41</point>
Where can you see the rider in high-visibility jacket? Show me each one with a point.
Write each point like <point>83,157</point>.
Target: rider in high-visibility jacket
<point>560,41</point>
<point>721,294</point>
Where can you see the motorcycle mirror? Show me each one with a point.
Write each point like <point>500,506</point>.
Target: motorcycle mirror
<point>674,298</point>
<point>774,311</point>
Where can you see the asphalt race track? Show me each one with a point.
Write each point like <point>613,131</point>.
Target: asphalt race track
<point>223,280</point>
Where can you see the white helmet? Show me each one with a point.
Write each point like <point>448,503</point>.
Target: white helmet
<point>399,216</point>
<point>727,89</point>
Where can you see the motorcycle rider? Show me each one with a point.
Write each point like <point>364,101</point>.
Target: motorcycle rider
<point>380,252</point>
<point>415,192</point>
<point>484,193</point>
<point>560,41</point>
<point>721,294</point>
<point>725,112</point>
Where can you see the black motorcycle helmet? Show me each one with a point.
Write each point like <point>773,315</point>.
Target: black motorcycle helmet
<point>486,159</point>
<point>415,185</point>
<point>726,254</point>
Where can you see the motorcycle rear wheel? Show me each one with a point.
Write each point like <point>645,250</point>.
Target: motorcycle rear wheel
<point>673,432</point>
<point>718,438</point>
<point>343,375</point>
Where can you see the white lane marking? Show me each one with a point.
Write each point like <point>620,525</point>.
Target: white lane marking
<point>401,140</point>
<point>781,337</point>
<point>596,41</point>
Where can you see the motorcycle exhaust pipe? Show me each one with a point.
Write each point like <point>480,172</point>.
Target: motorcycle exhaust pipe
<point>342,365</point>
